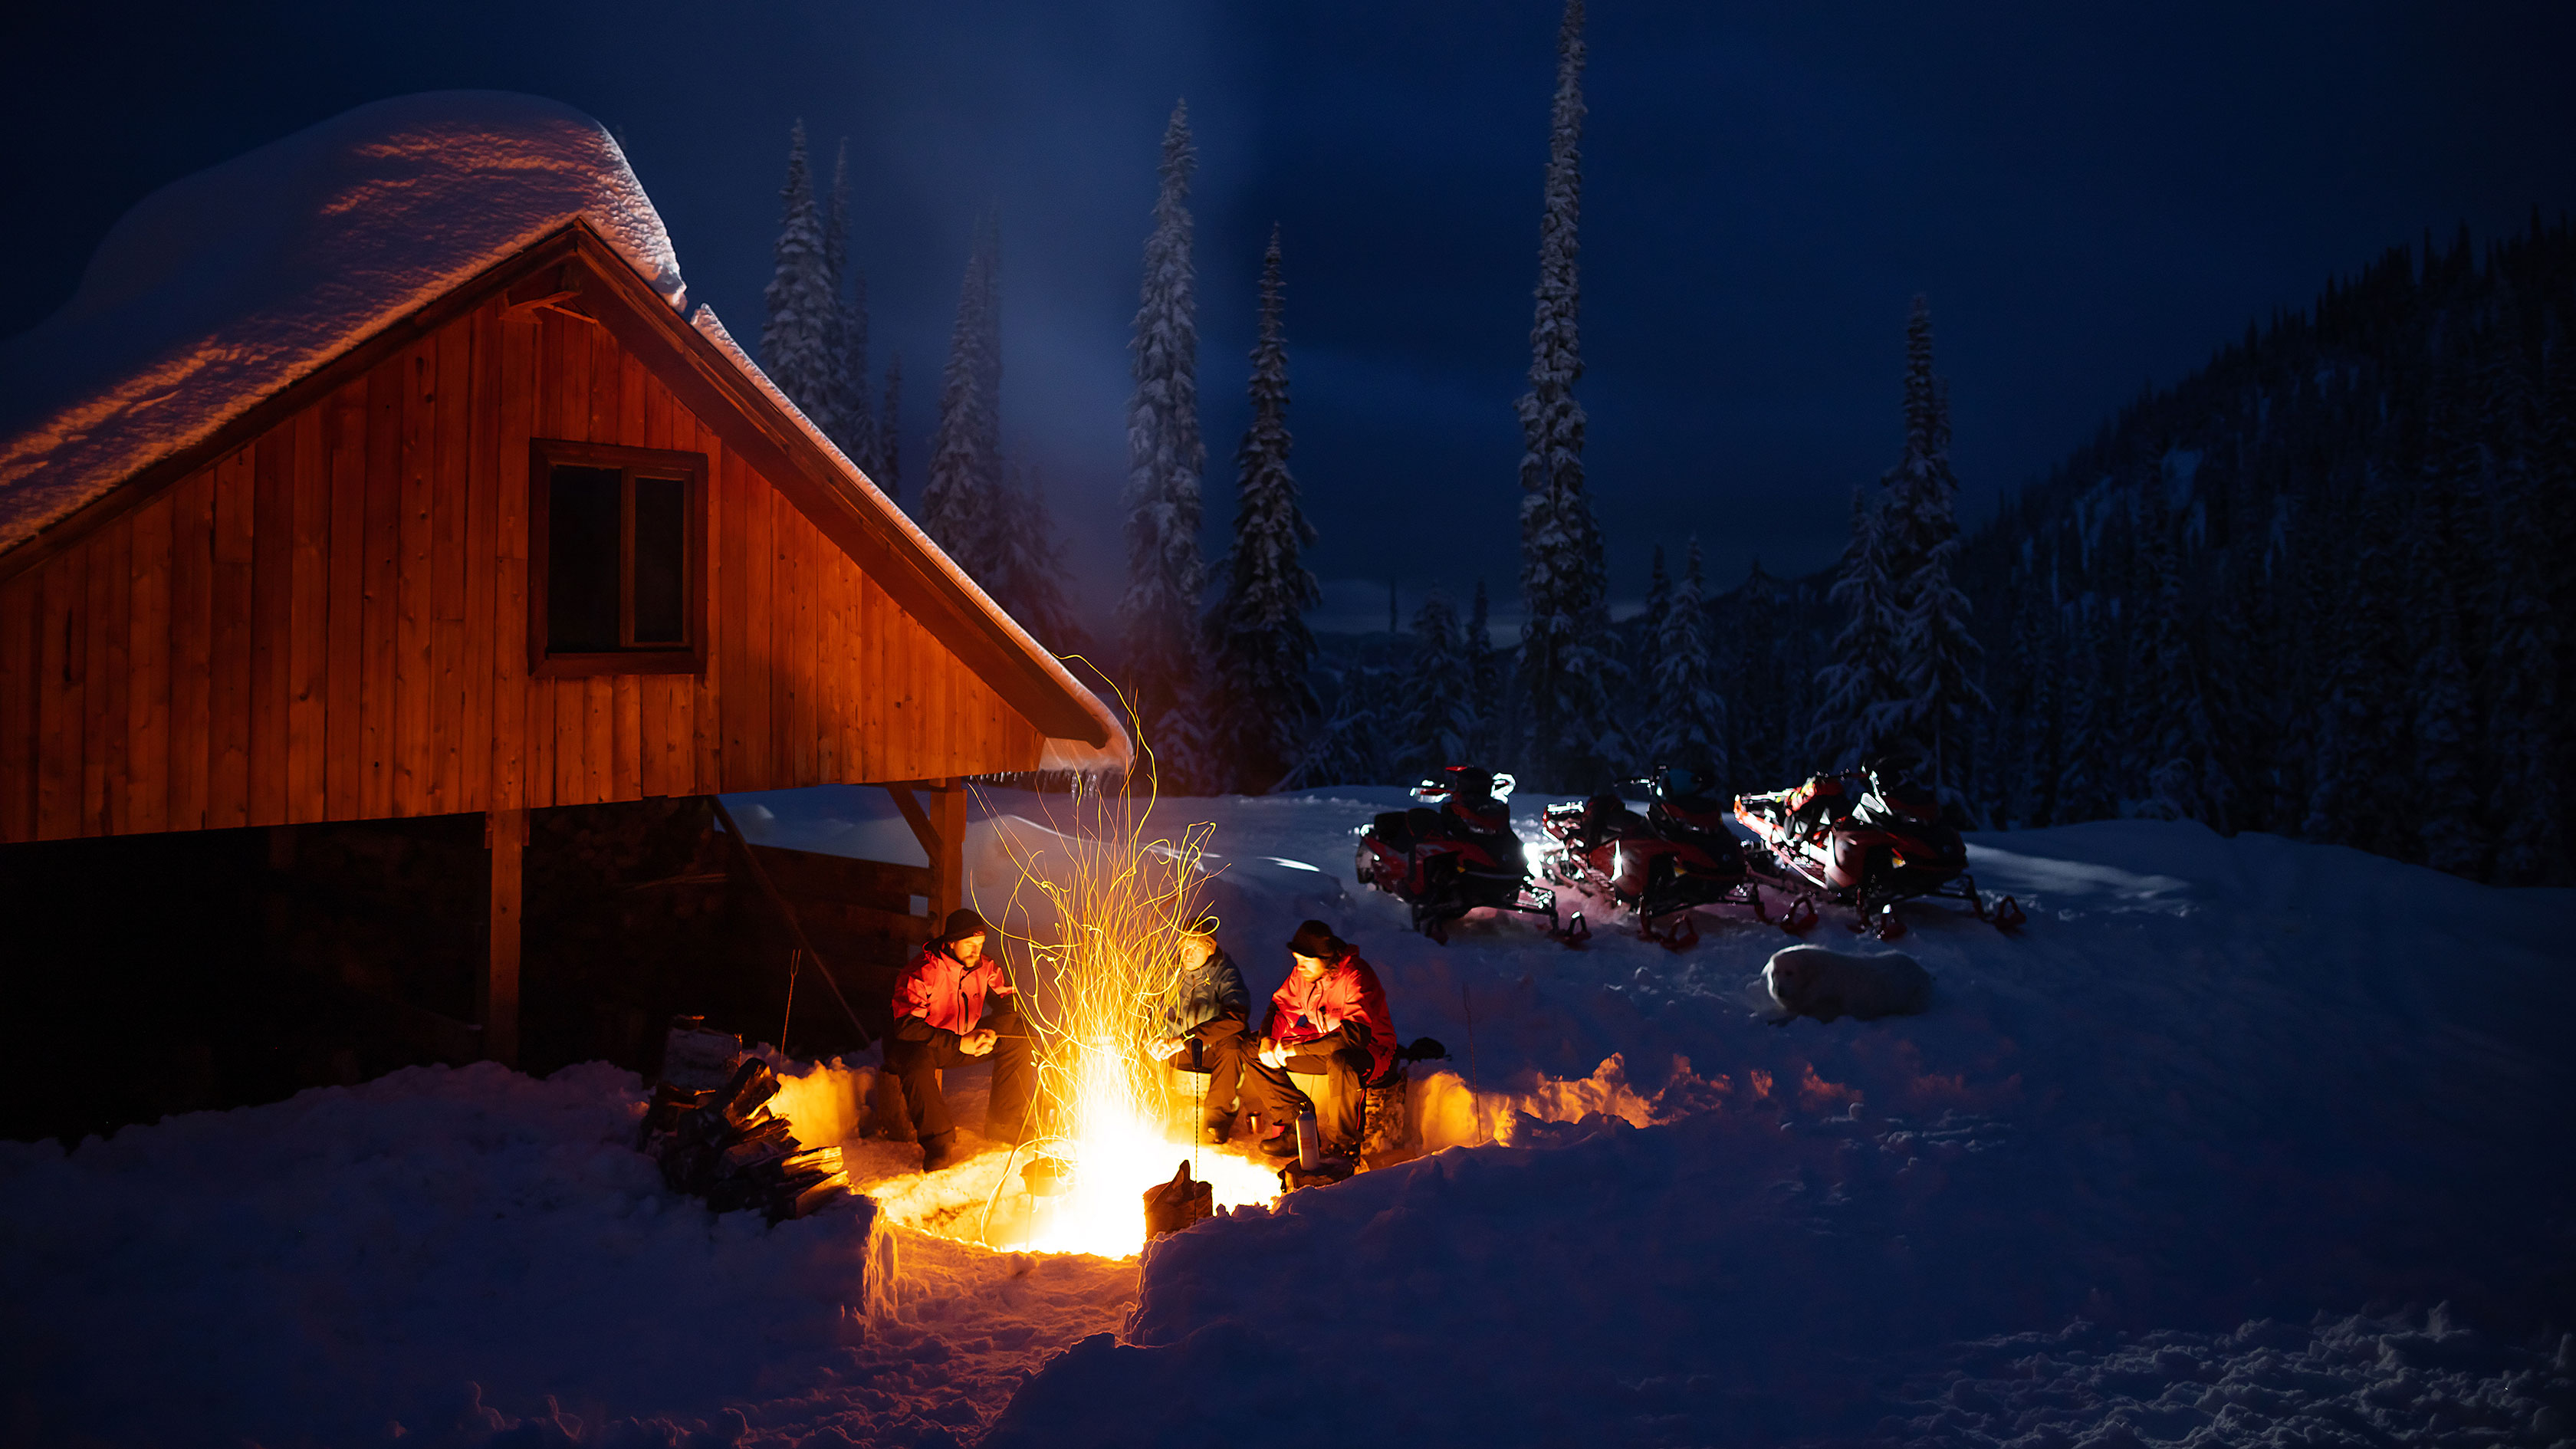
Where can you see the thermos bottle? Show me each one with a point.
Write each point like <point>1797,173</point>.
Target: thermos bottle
<point>1310,1140</point>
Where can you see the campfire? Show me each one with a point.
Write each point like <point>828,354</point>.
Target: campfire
<point>1104,905</point>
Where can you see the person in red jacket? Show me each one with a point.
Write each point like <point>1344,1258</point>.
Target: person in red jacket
<point>954,1003</point>
<point>1328,1019</point>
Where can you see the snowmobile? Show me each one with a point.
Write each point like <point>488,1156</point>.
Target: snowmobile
<point>1861,838</point>
<point>1454,852</point>
<point>1661,865</point>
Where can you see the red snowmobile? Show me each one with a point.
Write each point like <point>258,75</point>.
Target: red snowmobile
<point>1864,840</point>
<point>1661,865</point>
<point>1454,852</point>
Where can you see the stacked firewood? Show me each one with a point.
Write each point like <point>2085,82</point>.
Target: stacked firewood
<point>727,1147</point>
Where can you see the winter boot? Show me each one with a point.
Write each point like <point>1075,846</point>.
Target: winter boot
<point>938,1150</point>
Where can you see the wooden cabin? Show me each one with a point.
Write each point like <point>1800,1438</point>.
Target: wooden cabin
<point>544,542</point>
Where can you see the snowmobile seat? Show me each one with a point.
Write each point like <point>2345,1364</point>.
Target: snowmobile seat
<point>1818,801</point>
<point>1606,818</point>
<point>1422,822</point>
<point>1488,814</point>
<point>1395,827</point>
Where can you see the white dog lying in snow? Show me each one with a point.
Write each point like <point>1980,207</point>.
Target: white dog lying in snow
<point>1812,981</point>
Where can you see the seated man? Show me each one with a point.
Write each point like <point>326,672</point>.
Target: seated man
<point>940,1020</point>
<point>1205,1005</point>
<point>1330,1019</point>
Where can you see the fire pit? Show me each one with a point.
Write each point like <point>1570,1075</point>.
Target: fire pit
<point>1102,904</point>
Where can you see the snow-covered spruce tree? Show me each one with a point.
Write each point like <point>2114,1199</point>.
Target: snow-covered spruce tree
<point>1028,568</point>
<point>1484,677</point>
<point>1158,617</point>
<point>2084,789</point>
<point>2035,765</point>
<point>890,432</point>
<point>1637,643</point>
<point>1937,660</point>
<point>796,343</point>
<point>855,422</point>
<point>1565,670</point>
<point>2449,805</point>
<point>960,502</point>
<point>2529,803</point>
<point>2183,779</point>
<point>1265,702</point>
<point>1439,716</point>
<point>1355,743</point>
<point>1759,755</point>
<point>2361,734</point>
<point>1855,688</point>
<point>1689,714</point>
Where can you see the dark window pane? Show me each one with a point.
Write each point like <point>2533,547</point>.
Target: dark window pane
<point>661,560</point>
<point>581,560</point>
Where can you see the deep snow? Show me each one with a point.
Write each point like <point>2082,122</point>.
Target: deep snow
<point>2132,1175</point>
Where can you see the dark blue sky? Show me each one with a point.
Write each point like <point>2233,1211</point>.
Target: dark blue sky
<point>2093,198</point>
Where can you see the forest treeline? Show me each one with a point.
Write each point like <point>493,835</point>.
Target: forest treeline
<point>2321,587</point>
<point>2325,586</point>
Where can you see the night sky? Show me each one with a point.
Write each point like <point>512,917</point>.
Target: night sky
<point>2092,202</point>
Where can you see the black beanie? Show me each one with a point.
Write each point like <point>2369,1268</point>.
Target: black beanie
<point>1314,938</point>
<point>962,923</point>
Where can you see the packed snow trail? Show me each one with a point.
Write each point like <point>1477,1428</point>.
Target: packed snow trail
<point>2214,1081</point>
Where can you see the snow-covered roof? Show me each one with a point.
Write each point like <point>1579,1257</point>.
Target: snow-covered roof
<point>223,288</point>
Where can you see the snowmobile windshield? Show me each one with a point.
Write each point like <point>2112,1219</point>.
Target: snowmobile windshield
<point>1468,782</point>
<point>1684,791</point>
<point>1899,802</point>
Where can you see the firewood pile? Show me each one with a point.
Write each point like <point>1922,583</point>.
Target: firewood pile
<point>724,1145</point>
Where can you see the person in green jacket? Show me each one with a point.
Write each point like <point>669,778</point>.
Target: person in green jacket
<point>1199,1024</point>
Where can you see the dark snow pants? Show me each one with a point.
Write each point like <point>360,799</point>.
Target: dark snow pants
<point>1343,1064</point>
<point>1222,1058</point>
<point>916,1052</point>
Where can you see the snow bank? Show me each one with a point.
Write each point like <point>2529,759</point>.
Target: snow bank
<point>432,1248</point>
<point>2217,1086</point>
<point>221,288</point>
<point>2403,1379</point>
<point>2215,1080</point>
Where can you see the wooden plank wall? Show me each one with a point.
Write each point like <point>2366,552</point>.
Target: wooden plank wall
<point>328,623</point>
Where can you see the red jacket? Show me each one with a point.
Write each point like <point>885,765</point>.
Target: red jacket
<point>1302,1010</point>
<point>944,991</point>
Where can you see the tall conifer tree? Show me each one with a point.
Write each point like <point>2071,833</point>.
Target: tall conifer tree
<point>1564,670</point>
<point>1265,702</point>
<point>2448,503</point>
<point>890,432</point>
<point>1688,712</point>
<point>854,421</point>
<point>1925,722</point>
<point>1484,676</point>
<point>1158,617</point>
<point>796,342</point>
<point>1441,717</point>
<point>1028,568</point>
<point>960,502</point>
<point>1863,676</point>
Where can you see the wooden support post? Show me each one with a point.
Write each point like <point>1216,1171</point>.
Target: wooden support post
<point>939,823</point>
<point>505,834</point>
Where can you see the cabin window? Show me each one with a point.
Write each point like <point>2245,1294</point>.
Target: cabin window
<point>616,560</point>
